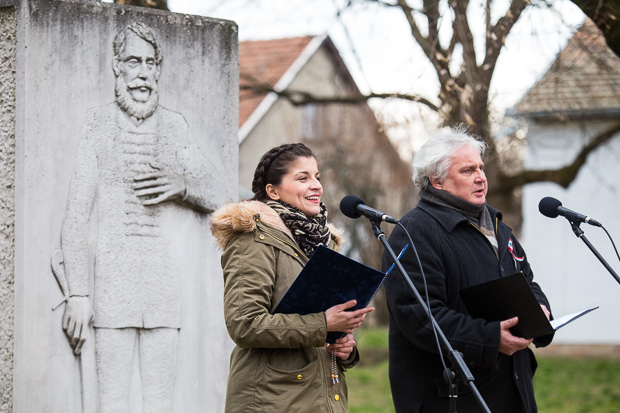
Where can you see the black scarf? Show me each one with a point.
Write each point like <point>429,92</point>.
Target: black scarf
<point>478,214</point>
<point>308,232</point>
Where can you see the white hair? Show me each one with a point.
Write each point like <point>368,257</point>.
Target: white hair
<point>434,158</point>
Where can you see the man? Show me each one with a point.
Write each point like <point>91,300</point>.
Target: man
<point>461,242</point>
<point>137,164</point>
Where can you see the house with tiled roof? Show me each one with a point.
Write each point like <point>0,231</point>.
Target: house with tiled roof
<point>582,83</point>
<point>267,62</point>
<point>355,154</point>
<point>577,100</point>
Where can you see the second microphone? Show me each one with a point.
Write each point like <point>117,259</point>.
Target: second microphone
<point>354,207</point>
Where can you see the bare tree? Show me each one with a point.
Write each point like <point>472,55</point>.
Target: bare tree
<point>464,91</point>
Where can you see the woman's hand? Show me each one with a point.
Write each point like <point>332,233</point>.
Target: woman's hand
<point>338,319</point>
<point>343,346</point>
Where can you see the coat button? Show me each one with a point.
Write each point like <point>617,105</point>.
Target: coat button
<point>517,376</point>
<point>261,236</point>
<point>297,255</point>
<point>299,377</point>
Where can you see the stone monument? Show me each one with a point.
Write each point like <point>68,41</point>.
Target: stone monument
<point>119,137</point>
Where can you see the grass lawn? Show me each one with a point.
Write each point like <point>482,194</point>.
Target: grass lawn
<point>562,385</point>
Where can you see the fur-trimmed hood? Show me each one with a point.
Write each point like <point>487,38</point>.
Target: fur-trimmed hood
<point>239,217</point>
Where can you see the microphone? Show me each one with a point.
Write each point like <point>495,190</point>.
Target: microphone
<point>353,207</point>
<point>551,207</point>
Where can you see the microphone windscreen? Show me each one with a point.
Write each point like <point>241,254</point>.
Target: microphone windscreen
<point>549,207</point>
<point>348,206</point>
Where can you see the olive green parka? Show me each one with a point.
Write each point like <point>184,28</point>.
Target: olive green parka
<point>280,362</point>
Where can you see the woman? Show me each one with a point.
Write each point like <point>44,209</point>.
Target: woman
<point>281,362</point>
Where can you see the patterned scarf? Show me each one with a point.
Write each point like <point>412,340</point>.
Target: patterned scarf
<point>308,232</point>
<point>478,214</point>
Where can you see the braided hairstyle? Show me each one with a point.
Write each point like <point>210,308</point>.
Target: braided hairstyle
<point>274,164</point>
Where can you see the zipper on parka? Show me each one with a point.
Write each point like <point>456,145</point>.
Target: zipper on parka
<point>276,234</point>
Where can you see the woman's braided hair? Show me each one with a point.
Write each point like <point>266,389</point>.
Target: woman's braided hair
<point>274,164</point>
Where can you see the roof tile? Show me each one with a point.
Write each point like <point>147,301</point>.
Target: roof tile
<point>583,81</point>
<point>264,61</point>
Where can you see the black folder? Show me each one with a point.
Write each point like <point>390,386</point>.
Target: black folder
<point>328,279</point>
<point>512,296</point>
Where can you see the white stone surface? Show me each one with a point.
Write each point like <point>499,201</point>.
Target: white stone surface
<point>63,68</point>
<point>8,24</point>
<point>569,273</point>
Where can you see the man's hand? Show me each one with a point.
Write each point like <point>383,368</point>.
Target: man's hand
<point>546,311</point>
<point>509,344</point>
<point>343,346</point>
<point>338,319</point>
<point>159,186</point>
<point>75,321</point>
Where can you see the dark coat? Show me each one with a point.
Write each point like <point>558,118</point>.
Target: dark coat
<point>454,255</point>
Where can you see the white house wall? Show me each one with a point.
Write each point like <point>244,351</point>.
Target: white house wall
<point>569,273</point>
<point>276,128</point>
<point>281,123</point>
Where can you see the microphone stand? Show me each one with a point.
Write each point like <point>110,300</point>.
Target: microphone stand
<point>580,234</point>
<point>455,357</point>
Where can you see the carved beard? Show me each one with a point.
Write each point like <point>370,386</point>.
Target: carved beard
<point>125,101</point>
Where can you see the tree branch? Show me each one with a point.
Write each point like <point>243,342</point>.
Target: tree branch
<point>430,45</point>
<point>563,176</point>
<point>496,38</point>
<point>463,33</point>
<point>383,3</point>
<point>300,98</point>
<point>431,11</point>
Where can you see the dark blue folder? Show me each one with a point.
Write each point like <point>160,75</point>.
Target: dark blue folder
<point>512,296</point>
<point>328,279</point>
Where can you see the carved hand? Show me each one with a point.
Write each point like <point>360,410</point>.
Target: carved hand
<point>159,186</point>
<point>75,322</point>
